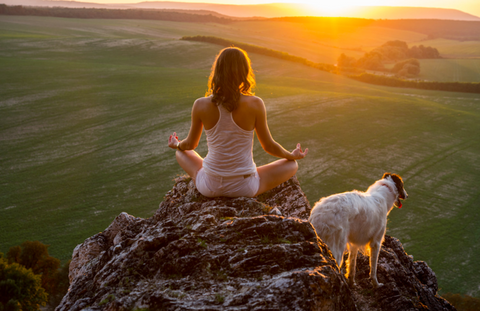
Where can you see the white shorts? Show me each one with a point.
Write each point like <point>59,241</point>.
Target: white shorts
<point>216,186</point>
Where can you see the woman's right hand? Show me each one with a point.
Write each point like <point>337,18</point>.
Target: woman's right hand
<point>298,154</point>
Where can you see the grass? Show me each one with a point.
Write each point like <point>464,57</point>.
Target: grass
<point>312,42</point>
<point>453,48</point>
<point>86,107</point>
<point>450,70</point>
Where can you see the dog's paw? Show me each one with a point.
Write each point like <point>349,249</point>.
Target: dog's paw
<point>351,283</point>
<point>376,284</point>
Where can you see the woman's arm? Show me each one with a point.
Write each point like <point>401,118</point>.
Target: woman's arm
<point>266,140</point>
<point>193,138</point>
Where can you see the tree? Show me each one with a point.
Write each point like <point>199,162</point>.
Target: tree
<point>20,288</point>
<point>345,61</point>
<point>54,279</point>
<point>62,283</point>
<point>396,43</point>
<point>34,255</point>
<point>406,68</point>
<point>371,61</point>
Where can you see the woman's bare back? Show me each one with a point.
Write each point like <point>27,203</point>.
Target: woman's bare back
<point>245,115</point>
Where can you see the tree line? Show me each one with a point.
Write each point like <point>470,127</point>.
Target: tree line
<point>392,51</point>
<point>30,278</point>
<point>148,14</point>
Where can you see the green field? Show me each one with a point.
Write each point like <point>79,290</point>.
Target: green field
<point>453,48</point>
<point>86,107</point>
<point>450,70</point>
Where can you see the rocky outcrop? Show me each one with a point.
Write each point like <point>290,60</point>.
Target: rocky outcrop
<point>198,253</point>
<point>408,284</point>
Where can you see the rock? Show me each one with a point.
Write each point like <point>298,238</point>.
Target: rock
<point>234,254</point>
<point>408,285</point>
<point>275,211</point>
<point>289,199</point>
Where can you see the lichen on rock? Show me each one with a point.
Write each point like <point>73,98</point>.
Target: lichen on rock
<point>234,254</point>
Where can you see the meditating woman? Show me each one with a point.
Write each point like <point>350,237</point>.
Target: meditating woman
<point>230,114</point>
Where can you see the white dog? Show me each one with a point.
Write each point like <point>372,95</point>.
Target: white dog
<point>357,219</point>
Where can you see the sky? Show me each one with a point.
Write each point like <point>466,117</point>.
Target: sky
<point>468,6</point>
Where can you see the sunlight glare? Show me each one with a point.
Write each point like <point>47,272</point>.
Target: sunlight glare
<point>337,7</point>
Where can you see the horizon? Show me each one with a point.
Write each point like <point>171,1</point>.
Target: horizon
<point>467,6</point>
<point>92,90</point>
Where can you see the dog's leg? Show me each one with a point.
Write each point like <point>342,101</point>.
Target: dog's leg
<point>352,263</point>
<point>374,251</point>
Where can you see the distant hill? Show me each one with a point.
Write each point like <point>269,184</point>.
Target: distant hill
<point>269,10</point>
<point>433,28</point>
<point>66,4</point>
<point>388,12</point>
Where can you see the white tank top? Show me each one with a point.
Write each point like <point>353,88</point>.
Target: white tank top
<point>230,148</point>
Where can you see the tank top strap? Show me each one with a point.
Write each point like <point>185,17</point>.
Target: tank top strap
<point>226,120</point>
<point>223,111</point>
<point>226,117</point>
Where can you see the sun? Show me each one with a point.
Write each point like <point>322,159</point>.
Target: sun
<point>336,7</point>
<point>332,9</point>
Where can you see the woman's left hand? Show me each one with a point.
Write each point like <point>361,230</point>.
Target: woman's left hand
<point>173,141</point>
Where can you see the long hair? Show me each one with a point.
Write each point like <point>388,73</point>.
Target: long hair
<point>231,76</point>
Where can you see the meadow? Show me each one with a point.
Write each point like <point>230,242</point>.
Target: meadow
<point>86,107</point>
<point>450,70</point>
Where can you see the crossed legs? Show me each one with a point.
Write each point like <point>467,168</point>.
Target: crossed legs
<point>190,161</point>
<point>275,173</point>
<point>271,175</point>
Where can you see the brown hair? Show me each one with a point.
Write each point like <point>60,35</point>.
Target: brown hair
<point>231,76</point>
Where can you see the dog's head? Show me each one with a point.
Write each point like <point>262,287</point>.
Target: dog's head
<point>401,193</point>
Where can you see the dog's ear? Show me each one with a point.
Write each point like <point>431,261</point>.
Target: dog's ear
<point>386,175</point>
<point>398,183</point>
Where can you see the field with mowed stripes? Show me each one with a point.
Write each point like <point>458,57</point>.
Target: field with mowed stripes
<point>86,107</point>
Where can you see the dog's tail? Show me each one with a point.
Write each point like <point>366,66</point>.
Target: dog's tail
<point>330,221</point>
<point>335,239</point>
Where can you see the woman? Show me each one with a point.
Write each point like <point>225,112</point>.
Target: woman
<point>230,114</point>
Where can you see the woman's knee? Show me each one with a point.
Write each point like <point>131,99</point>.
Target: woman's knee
<point>178,155</point>
<point>180,158</point>
<point>190,161</point>
<point>294,166</point>
<point>184,156</point>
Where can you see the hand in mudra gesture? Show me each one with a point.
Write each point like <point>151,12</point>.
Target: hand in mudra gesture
<point>298,153</point>
<point>173,141</point>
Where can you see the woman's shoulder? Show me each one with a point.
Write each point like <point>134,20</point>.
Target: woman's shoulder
<point>253,101</point>
<point>203,100</point>
<point>203,103</point>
